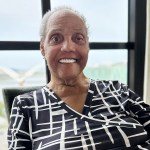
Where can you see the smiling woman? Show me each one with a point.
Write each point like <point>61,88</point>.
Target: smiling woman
<point>65,42</point>
<point>70,119</point>
<point>80,113</point>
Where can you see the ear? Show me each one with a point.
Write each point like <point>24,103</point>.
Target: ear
<point>42,47</point>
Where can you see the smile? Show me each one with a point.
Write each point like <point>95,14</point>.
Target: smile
<point>68,60</point>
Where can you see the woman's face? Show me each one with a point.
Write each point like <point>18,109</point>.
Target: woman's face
<point>66,45</point>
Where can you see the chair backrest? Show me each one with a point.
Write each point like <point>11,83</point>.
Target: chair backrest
<point>10,93</point>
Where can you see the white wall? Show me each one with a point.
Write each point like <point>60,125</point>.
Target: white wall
<point>147,58</point>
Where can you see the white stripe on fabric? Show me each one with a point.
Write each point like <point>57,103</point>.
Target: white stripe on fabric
<point>44,97</point>
<point>90,135</point>
<point>75,126</point>
<point>140,147</point>
<point>83,142</point>
<point>50,117</point>
<point>126,140</point>
<point>36,104</point>
<point>30,128</point>
<point>62,137</point>
<point>108,133</point>
<point>146,123</point>
<point>39,147</point>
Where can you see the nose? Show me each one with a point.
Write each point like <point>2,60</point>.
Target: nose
<point>68,45</point>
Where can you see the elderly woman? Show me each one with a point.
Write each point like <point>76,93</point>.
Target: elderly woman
<point>73,112</point>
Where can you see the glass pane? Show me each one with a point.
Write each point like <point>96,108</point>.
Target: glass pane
<point>107,65</point>
<point>22,68</point>
<point>20,20</point>
<point>107,19</point>
<point>18,68</point>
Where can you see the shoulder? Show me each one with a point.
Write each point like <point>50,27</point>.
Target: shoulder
<point>110,85</point>
<point>29,98</point>
<point>27,103</point>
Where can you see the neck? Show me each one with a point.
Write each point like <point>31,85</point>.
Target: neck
<point>80,84</point>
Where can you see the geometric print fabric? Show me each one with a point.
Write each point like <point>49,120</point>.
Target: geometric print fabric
<point>113,118</point>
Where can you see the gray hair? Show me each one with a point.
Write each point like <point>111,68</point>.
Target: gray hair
<point>48,14</point>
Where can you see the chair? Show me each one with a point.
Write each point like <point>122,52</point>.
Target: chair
<point>10,93</point>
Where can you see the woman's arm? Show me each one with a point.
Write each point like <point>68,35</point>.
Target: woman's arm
<point>18,131</point>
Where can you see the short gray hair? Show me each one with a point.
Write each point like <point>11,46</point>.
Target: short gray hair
<point>43,27</point>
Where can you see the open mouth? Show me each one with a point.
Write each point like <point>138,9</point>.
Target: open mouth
<point>67,61</point>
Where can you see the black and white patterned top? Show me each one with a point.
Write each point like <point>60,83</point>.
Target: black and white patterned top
<point>113,118</point>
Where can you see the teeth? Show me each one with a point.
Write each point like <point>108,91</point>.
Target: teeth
<point>67,61</point>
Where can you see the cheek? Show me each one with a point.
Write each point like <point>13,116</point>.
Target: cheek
<point>50,57</point>
<point>51,53</point>
<point>85,54</point>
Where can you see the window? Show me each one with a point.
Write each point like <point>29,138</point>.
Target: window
<point>117,41</point>
<point>107,23</point>
<point>22,68</point>
<point>20,20</point>
<point>102,65</point>
<point>21,63</point>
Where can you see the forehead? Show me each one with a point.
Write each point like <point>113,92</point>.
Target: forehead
<point>65,19</point>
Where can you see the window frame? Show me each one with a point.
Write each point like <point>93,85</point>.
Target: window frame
<point>135,45</point>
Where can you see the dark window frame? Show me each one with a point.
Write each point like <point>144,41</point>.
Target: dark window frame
<point>135,44</point>
<point>136,35</point>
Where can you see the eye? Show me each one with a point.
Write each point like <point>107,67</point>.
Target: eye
<point>79,38</point>
<point>56,39</point>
